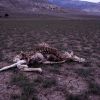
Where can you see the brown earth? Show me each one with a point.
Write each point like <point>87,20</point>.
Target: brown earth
<point>68,81</point>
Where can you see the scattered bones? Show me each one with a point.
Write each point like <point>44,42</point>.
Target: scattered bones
<point>41,54</point>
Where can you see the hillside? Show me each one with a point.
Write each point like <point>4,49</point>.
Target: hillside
<point>89,7</point>
<point>30,8</point>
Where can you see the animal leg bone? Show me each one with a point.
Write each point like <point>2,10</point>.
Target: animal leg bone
<point>26,68</point>
<point>32,69</point>
<point>51,62</point>
<point>13,65</point>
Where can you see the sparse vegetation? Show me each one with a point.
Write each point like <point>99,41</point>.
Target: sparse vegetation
<point>28,88</point>
<point>55,68</point>
<point>78,35</point>
<point>77,97</point>
<point>38,80</point>
<point>49,82</point>
<point>94,88</point>
<point>15,97</point>
<point>84,72</point>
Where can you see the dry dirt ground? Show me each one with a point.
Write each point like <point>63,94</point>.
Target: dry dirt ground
<point>68,81</point>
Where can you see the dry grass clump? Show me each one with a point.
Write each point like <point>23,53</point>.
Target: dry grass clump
<point>27,87</point>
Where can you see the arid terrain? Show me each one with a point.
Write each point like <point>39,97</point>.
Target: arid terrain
<point>68,81</point>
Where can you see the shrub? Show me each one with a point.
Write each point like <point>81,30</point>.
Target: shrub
<point>27,87</point>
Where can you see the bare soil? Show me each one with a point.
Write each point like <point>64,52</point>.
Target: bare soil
<point>68,81</point>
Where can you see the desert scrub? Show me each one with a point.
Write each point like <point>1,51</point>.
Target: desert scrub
<point>27,88</point>
<point>38,80</point>
<point>55,69</point>
<point>77,97</point>
<point>15,97</point>
<point>84,72</point>
<point>49,82</point>
<point>94,88</point>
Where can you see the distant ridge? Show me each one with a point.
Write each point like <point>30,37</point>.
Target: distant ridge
<point>89,7</point>
<point>42,8</point>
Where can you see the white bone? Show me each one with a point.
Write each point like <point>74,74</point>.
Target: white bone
<point>16,58</point>
<point>21,67</point>
<point>76,58</point>
<point>32,69</point>
<point>26,68</point>
<point>13,65</point>
<point>37,55</point>
<point>50,62</point>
